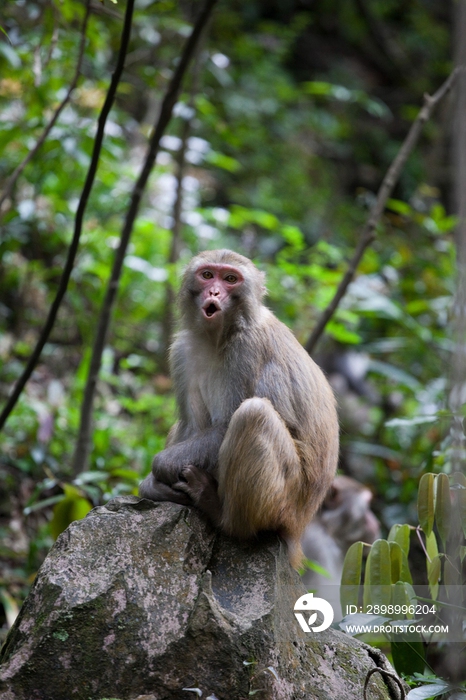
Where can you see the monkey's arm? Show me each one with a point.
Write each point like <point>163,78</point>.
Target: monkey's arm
<point>274,385</point>
<point>167,480</point>
<point>200,450</point>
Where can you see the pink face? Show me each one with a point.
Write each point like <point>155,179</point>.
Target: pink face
<point>217,282</point>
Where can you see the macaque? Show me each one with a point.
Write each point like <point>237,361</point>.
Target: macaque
<point>256,443</point>
<point>344,518</point>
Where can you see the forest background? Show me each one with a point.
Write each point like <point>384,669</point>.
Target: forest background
<point>288,119</point>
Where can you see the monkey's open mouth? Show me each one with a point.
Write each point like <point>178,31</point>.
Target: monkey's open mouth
<point>211,309</point>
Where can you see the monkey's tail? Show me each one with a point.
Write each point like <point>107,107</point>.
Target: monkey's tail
<point>295,553</point>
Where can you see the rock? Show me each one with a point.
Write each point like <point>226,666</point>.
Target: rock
<point>143,600</point>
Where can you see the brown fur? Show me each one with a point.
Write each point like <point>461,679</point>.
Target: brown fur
<point>256,414</point>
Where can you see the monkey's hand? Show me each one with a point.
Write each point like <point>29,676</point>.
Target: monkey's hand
<point>156,490</point>
<point>200,450</point>
<point>201,487</point>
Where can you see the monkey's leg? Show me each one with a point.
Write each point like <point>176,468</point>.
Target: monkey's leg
<point>260,480</point>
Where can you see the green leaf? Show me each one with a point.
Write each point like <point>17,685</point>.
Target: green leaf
<point>399,564</point>
<point>79,509</point>
<point>354,620</point>
<point>90,477</point>
<point>351,575</point>
<point>343,94</point>
<point>239,216</point>
<point>10,54</point>
<point>380,306</point>
<point>443,507</point>
<point>339,332</point>
<point>399,206</point>
<point>400,376</point>
<point>408,422</point>
<point>10,606</point>
<point>405,570</point>
<point>431,546</point>
<point>61,518</point>
<point>433,690</point>
<point>316,87</point>
<point>434,565</point>
<point>220,160</point>
<point>127,474</point>
<point>377,586</point>
<point>5,33</point>
<point>71,491</point>
<point>314,566</point>
<point>44,504</point>
<point>434,568</point>
<point>404,594</point>
<point>293,236</point>
<point>426,503</point>
<point>72,507</point>
<point>266,220</point>
<point>402,535</point>
<point>396,554</point>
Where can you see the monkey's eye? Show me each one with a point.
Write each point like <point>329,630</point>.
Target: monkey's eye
<point>207,275</point>
<point>231,279</point>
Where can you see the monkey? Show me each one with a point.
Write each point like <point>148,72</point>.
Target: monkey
<point>345,517</point>
<point>255,446</point>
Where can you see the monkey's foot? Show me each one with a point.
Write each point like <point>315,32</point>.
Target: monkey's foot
<point>156,490</point>
<point>201,487</point>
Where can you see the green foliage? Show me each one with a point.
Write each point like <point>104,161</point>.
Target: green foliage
<point>72,507</point>
<point>351,576</point>
<point>433,687</point>
<point>388,582</point>
<point>310,565</point>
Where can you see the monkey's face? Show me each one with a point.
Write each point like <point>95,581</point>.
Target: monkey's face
<point>217,286</point>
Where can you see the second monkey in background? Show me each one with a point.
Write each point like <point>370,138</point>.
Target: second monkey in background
<point>345,517</point>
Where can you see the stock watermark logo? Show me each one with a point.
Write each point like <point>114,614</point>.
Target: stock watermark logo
<point>307,603</point>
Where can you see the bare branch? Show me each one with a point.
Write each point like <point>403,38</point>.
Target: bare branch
<point>10,183</point>
<point>391,178</point>
<point>82,450</point>
<point>63,284</point>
